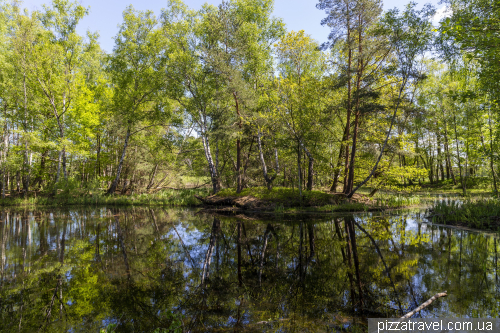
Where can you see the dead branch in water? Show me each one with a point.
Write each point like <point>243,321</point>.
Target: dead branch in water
<point>424,305</point>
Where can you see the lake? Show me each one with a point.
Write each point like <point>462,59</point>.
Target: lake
<point>179,270</point>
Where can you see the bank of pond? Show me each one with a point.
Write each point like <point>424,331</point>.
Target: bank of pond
<point>153,269</point>
<point>278,199</point>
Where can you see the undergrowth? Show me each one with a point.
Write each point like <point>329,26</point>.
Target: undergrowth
<point>396,201</point>
<point>287,196</point>
<point>481,214</point>
<point>161,198</point>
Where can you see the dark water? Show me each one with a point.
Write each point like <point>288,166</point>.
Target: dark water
<point>156,270</point>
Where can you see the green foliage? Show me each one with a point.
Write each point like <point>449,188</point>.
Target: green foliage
<point>182,98</point>
<point>474,213</point>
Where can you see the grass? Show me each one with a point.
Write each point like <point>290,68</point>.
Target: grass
<point>286,199</point>
<point>480,214</point>
<point>161,198</point>
<point>286,196</point>
<point>396,201</point>
<point>475,186</point>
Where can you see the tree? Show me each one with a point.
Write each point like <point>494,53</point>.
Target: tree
<point>410,34</point>
<point>301,65</point>
<point>349,22</point>
<point>137,69</point>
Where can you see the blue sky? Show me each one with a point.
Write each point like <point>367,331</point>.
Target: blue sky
<point>106,15</point>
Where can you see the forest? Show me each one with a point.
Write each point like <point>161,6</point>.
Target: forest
<point>225,97</point>
<point>223,106</point>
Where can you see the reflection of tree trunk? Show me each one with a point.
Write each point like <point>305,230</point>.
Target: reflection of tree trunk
<point>246,242</point>
<point>122,244</point>
<point>496,260</point>
<point>383,261</point>
<point>211,245</point>
<point>312,242</point>
<point>349,261</point>
<point>346,258</point>
<point>301,241</point>
<point>4,235</point>
<point>97,250</point>
<point>240,279</point>
<point>61,260</point>
<point>153,216</point>
<point>43,238</point>
<point>193,265</point>
<point>58,287</point>
<point>460,261</point>
<point>299,171</point>
<point>263,253</point>
<point>349,223</point>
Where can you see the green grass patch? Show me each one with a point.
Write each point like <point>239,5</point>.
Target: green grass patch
<point>396,201</point>
<point>475,185</point>
<point>161,198</point>
<point>480,214</point>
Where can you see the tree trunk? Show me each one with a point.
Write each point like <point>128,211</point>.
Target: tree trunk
<point>213,171</point>
<point>493,173</point>
<point>447,149</point>
<point>458,158</point>
<point>98,158</point>
<point>18,181</point>
<point>269,180</point>
<point>403,84</point>
<point>4,152</point>
<point>359,73</point>
<point>333,188</point>
<point>350,181</point>
<point>348,121</point>
<point>310,174</point>
<point>440,159</point>
<point>239,180</point>
<point>26,164</point>
<point>39,179</point>
<point>152,178</point>
<point>299,173</point>
<point>113,186</point>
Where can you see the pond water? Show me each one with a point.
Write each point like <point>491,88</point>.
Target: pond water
<point>178,270</point>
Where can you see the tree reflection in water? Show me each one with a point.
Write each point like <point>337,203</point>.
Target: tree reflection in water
<point>145,269</point>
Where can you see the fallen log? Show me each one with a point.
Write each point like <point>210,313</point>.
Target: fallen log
<point>424,305</point>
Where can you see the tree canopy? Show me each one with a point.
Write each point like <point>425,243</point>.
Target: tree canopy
<point>226,97</point>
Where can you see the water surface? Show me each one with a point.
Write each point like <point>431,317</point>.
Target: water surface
<point>176,270</point>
